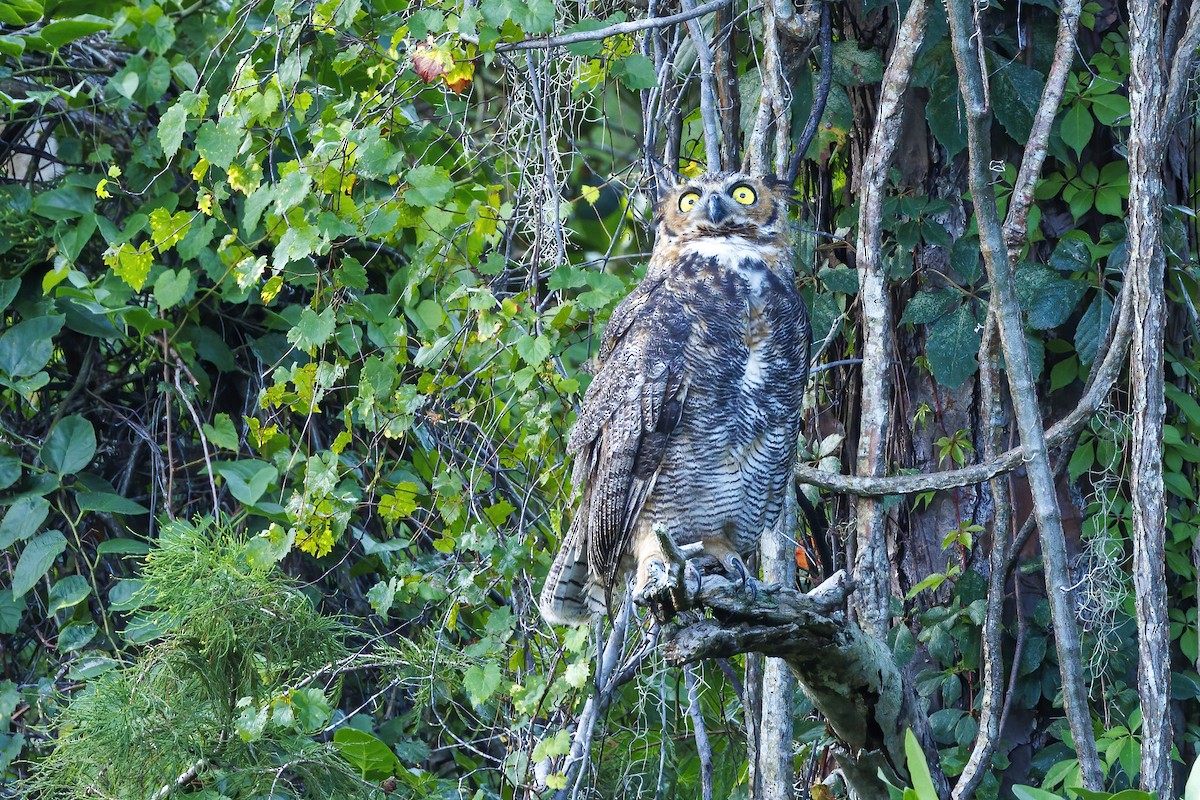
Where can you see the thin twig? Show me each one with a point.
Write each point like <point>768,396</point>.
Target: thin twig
<point>703,749</point>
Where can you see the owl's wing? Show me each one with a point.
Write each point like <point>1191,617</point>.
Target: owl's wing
<point>628,414</point>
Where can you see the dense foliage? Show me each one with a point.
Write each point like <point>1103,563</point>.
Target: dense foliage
<point>330,273</point>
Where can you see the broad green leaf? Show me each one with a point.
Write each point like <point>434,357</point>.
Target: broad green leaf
<point>223,433</point>
<point>928,305</point>
<point>312,709</point>
<point>636,72</point>
<point>122,547</point>
<point>219,142</point>
<point>1016,92</point>
<point>27,346</point>
<point>171,127</point>
<point>36,560</point>
<point>918,768</point>
<point>11,610</point>
<point>854,65</point>
<point>1071,255</point>
<point>482,682</point>
<point>373,759</point>
<point>70,446</point>
<point>946,115</point>
<point>1077,127</point>
<point>427,186</point>
<point>131,265</point>
<point>61,31</point>
<point>1047,299</point>
<point>952,345</point>
<point>1092,328</point>
<point>171,286</point>
<point>23,519</point>
<point>248,479</point>
<point>533,349</point>
<point>591,48</point>
<point>20,12</point>
<point>1030,793</point>
<point>74,637</point>
<point>68,592</point>
<point>313,329</point>
<point>291,190</point>
<point>10,471</point>
<point>108,503</point>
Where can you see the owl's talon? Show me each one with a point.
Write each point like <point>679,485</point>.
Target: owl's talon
<point>690,571</point>
<point>737,571</point>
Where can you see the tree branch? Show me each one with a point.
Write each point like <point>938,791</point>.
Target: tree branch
<point>966,41</point>
<point>1145,273</point>
<point>631,26</point>
<point>849,675</point>
<point>1101,381</point>
<point>871,568</point>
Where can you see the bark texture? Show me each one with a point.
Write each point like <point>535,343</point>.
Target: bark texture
<point>1145,277</point>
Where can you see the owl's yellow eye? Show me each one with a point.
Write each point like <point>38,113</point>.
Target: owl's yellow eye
<point>744,195</point>
<point>688,201</point>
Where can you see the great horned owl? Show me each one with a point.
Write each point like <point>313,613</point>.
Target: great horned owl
<point>692,418</point>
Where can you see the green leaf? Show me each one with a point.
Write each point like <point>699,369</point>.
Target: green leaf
<point>68,592</point>
<point>1071,255</point>
<point>291,190</point>
<point>918,768</point>
<point>1192,790</point>
<point>20,12</point>
<point>171,126</point>
<point>946,115</point>
<point>855,65</point>
<point>313,330</point>
<point>220,142</point>
<point>482,682</point>
<point>1030,793</point>
<point>10,613</point>
<point>61,31</point>
<point>928,305</point>
<point>1016,92</point>
<point>132,265</point>
<point>1077,127</point>
<point>109,502</point>
<point>374,760</point>
<point>23,519</point>
<point>222,433</point>
<point>312,709</point>
<point>427,186</point>
<point>1047,298</point>
<point>533,350</point>
<point>27,346</point>
<point>636,72</point>
<point>70,446</point>
<point>10,471</point>
<point>1092,328</point>
<point>247,479</point>
<point>952,346</point>
<point>36,560</point>
<point>171,286</point>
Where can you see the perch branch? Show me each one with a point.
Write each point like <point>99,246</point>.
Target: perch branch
<point>849,675</point>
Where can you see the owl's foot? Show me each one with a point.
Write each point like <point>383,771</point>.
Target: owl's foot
<point>736,569</point>
<point>665,588</point>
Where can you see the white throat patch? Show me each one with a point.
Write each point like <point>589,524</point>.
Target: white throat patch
<point>731,249</point>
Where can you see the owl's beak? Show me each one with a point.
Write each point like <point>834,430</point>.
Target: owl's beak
<point>717,210</point>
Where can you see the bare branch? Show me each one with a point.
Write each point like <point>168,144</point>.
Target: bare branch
<point>1102,380</point>
<point>1039,134</point>
<point>871,568</point>
<point>708,91</point>
<point>966,40</point>
<point>631,26</point>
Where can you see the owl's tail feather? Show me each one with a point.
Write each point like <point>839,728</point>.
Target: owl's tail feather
<point>570,596</point>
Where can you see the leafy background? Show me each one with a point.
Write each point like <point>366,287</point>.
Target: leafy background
<point>330,273</point>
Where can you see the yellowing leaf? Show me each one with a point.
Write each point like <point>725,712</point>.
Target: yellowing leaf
<point>130,265</point>
<point>166,229</point>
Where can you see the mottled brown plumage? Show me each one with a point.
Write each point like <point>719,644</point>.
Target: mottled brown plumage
<point>692,418</point>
